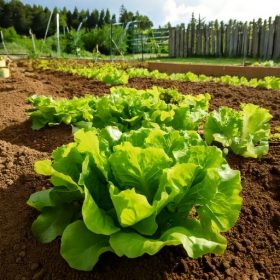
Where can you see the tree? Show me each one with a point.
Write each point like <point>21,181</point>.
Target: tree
<point>125,16</point>
<point>75,19</point>
<point>144,21</point>
<point>63,19</point>
<point>2,3</point>
<point>7,20</point>
<point>39,21</point>
<point>107,17</point>
<point>114,19</point>
<point>92,21</point>
<point>101,18</point>
<point>21,16</point>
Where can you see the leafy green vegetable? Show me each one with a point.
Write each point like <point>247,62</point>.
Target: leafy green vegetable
<point>109,73</point>
<point>246,132</point>
<point>126,108</point>
<point>114,74</point>
<point>133,193</point>
<point>47,111</point>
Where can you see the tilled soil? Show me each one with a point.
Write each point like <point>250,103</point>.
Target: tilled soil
<point>253,244</point>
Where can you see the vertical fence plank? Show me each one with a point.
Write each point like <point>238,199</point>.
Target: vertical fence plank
<point>177,44</point>
<point>255,47</point>
<point>189,40</point>
<point>261,42</point>
<point>250,39</point>
<point>198,40</point>
<point>244,49</point>
<point>182,35</point>
<point>222,50</point>
<point>213,40</point>
<point>205,38</point>
<point>276,48</point>
<point>266,41</point>
<point>240,43</point>
<point>185,43</point>
<point>207,41</point>
<point>231,39</point>
<point>228,28</point>
<point>218,38</point>
<point>270,39</point>
<point>171,42</point>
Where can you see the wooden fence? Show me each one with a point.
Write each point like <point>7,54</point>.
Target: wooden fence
<point>258,39</point>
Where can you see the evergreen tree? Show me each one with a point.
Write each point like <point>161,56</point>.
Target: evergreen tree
<point>114,19</point>
<point>2,3</point>
<point>101,19</point>
<point>94,16</point>
<point>125,16</point>
<point>107,17</point>
<point>7,20</point>
<point>39,21</point>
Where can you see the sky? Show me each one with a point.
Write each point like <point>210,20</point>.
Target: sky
<point>177,11</point>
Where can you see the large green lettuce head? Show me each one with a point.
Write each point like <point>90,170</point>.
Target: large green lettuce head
<point>133,193</point>
<point>246,132</point>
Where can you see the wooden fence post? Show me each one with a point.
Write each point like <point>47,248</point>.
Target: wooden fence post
<point>182,36</point>
<point>171,43</point>
<point>276,48</point>
<point>255,43</point>
<point>270,39</point>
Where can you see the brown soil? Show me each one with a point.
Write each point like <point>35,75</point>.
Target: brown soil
<point>253,244</point>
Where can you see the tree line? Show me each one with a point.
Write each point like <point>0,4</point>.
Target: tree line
<point>24,17</point>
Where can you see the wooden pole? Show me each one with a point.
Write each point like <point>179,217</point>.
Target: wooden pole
<point>57,34</point>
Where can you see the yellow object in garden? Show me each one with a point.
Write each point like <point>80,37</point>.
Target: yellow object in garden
<point>4,72</point>
<point>2,62</point>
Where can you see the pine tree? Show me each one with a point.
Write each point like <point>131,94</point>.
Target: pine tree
<point>107,17</point>
<point>101,19</point>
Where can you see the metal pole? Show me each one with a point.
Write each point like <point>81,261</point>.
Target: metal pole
<point>142,45</point>
<point>245,48</point>
<point>81,23</point>
<point>111,38</point>
<point>57,34</point>
<point>33,41</point>
<point>47,30</point>
<point>3,42</point>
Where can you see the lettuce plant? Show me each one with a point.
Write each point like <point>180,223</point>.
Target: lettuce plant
<point>246,132</point>
<point>126,108</point>
<point>135,192</point>
<point>117,74</point>
<point>108,73</point>
<point>47,111</point>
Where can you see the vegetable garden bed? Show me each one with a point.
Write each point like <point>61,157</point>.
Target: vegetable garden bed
<point>253,243</point>
<point>216,70</point>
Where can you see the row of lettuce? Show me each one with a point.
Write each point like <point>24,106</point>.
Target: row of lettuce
<point>141,173</point>
<point>119,74</point>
